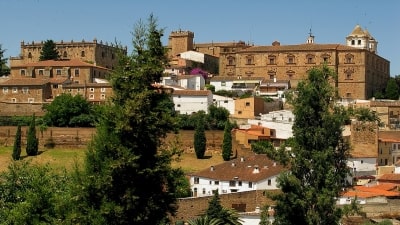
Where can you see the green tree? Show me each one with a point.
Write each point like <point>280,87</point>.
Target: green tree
<point>49,51</point>
<point>4,70</point>
<point>69,111</point>
<point>200,140</point>
<point>16,155</point>
<point>262,147</point>
<point>31,194</point>
<point>205,220</point>
<point>227,141</point>
<point>128,178</point>
<point>32,142</point>
<point>216,117</point>
<point>216,211</point>
<point>392,89</point>
<point>318,156</point>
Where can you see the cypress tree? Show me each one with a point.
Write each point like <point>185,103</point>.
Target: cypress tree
<point>32,142</point>
<point>227,142</point>
<point>17,144</point>
<point>200,140</point>
<point>49,51</point>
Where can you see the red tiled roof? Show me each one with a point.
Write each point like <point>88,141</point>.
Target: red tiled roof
<point>389,136</point>
<point>192,92</point>
<point>368,192</point>
<point>390,177</point>
<point>61,63</point>
<point>243,170</point>
<point>58,80</point>
<point>24,82</point>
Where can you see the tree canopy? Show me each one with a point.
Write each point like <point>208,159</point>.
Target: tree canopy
<point>4,70</point>
<point>49,51</point>
<point>317,157</point>
<point>392,90</point>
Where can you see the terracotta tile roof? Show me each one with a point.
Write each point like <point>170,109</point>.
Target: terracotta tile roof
<point>254,130</point>
<point>61,63</point>
<point>384,103</point>
<point>389,136</point>
<point>234,78</point>
<point>58,80</point>
<point>25,82</point>
<point>368,192</point>
<point>243,170</point>
<point>87,85</point>
<point>390,177</point>
<point>300,47</point>
<point>192,92</point>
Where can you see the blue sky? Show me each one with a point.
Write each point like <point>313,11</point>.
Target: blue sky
<point>255,21</point>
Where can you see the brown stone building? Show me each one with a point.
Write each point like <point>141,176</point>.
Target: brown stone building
<point>361,71</point>
<point>94,52</point>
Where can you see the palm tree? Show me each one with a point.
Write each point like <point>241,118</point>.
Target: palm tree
<point>205,220</point>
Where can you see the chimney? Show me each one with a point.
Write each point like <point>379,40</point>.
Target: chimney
<point>256,169</point>
<point>233,164</point>
<point>242,159</point>
<point>212,168</point>
<point>274,164</point>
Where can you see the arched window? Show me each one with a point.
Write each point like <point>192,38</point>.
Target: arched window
<point>29,55</point>
<point>349,58</point>
<point>326,58</point>
<point>82,53</point>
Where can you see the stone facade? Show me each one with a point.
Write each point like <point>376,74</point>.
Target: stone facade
<point>97,53</point>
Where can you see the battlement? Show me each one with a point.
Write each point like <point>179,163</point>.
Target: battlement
<point>182,33</point>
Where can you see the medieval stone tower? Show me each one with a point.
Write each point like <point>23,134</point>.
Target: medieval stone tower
<point>180,41</point>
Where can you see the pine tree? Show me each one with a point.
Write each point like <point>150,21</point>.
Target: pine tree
<point>227,142</point>
<point>392,90</point>
<point>17,144</point>
<point>317,158</point>
<point>49,51</point>
<point>216,211</point>
<point>128,177</point>
<point>32,142</point>
<point>200,140</point>
<point>4,70</point>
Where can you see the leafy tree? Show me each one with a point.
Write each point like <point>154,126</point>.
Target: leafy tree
<point>128,178</point>
<point>262,147</point>
<point>264,217</point>
<point>16,155</point>
<point>216,117</point>
<point>227,142</point>
<point>49,51</point>
<point>32,142</point>
<point>365,114</point>
<point>69,111</point>
<point>4,70</point>
<point>318,155</point>
<point>200,140</point>
<point>392,90</point>
<point>210,87</point>
<point>216,211</point>
<point>31,194</point>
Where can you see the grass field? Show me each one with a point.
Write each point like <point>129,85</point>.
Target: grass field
<point>60,158</point>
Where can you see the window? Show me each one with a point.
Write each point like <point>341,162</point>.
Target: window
<point>76,72</point>
<point>29,55</point>
<point>179,105</point>
<point>196,180</point>
<point>310,59</point>
<point>5,89</point>
<point>102,96</point>
<point>223,83</point>
<point>353,42</point>
<point>55,86</point>
<point>91,89</point>
<point>103,89</point>
<point>290,74</point>
<point>216,182</point>
<point>359,42</point>
<point>41,72</point>
<point>15,90</point>
<point>231,61</point>
<point>65,55</point>
<point>22,72</point>
<point>103,54</point>
<point>290,59</point>
<point>349,58</point>
<point>348,95</point>
<point>58,71</point>
<point>13,100</point>
<point>204,191</point>
<point>271,77</point>
<point>225,101</point>
<point>31,100</point>
<point>272,74</point>
<point>269,182</point>
<point>240,183</point>
<point>325,58</point>
<point>232,183</point>
<point>91,96</point>
<point>247,103</point>
<point>272,60</point>
<point>82,53</point>
<point>249,60</point>
<point>239,112</point>
<point>25,90</point>
<point>250,184</point>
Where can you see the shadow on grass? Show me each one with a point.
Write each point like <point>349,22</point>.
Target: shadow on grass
<point>26,156</point>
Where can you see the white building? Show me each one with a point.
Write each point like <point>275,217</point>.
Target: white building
<point>257,172</point>
<point>225,102</point>
<point>192,82</point>
<point>191,101</point>
<point>235,83</point>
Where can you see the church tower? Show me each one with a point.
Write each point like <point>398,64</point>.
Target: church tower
<point>310,39</point>
<point>180,41</point>
<point>360,38</point>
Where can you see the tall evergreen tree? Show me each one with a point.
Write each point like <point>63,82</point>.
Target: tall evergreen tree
<point>128,178</point>
<point>49,51</point>
<point>32,142</point>
<point>16,155</point>
<point>216,211</point>
<point>200,140</point>
<point>317,158</point>
<point>392,89</point>
<point>227,142</point>
<point>4,70</point>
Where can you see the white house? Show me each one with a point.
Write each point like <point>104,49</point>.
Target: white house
<point>235,83</point>
<point>192,82</point>
<point>257,172</point>
<point>225,102</point>
<point>191,101</point>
